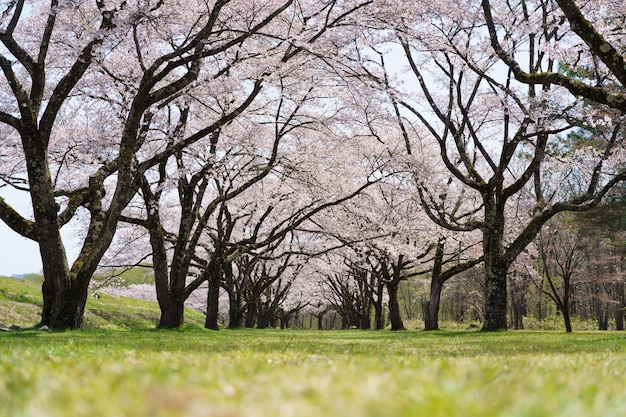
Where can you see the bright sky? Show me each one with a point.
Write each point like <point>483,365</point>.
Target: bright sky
<point>19,255</point>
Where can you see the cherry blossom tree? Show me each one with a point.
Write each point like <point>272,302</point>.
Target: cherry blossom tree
<point>112,69</point>
<point>201,193</point>
<point>251,194</point>
<point>591,47</point>
<point>258,288</point>
<point>561,260</point>
<point>497,139</point>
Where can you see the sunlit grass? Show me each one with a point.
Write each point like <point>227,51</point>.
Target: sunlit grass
<point>20,304</point>
<point>195,372</point>
<point>121,366</point>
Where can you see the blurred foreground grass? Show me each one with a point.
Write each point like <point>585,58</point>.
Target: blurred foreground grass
<point>195,372</point>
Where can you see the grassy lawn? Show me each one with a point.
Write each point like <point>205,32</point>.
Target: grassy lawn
<point>20,304</point>
<point>121,366</point>
<point>229,373</point>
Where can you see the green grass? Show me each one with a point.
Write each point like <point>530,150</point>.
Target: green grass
<point>126,277</point>
<point>20,304</point>
<point>194,372</point>
<point>122,366</point>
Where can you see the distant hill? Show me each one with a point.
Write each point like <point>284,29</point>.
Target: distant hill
<point>29,276</point>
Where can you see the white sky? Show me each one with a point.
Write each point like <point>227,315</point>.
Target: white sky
<point>19,255</point>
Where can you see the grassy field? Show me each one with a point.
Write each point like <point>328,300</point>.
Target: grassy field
<point>20,304</point>
<point>121,366</point>
<point>195,372</point>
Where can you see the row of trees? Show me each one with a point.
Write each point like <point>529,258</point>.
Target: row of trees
<point>567,274</point>
<point>246,145</point>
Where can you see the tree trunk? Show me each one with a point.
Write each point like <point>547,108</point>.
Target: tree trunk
<point>495,284</point>
<point>251,314</point>
<point>495,298</point>
<point>603,317</point>
<point>64,295</point>
<point>235,308</point>
<point>69,306</point>
<point>61,302</point>
<point>235,315</point>
<point>262,322</point>
<point>619,318</point>
<point>172,315</point>
<point>431,307</point>
<point>212,305</point>
<point>618,313</point>
<point>365,323</point>
<point>320,322</point>
<point>394,306</point>
<point>379,316</point>
<point>168,292</point>
<point>495,266</point>
<point>566,317</point>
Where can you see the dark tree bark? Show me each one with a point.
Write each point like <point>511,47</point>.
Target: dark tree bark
<point>431,307</point>
<point>234,287</point>
<point>518,290</point>
<point>619,309</point>
<point>394,307</point>
<point>439,276</point>
<point>320,320</point>
<point>377,303</point>
<point>213,295</point>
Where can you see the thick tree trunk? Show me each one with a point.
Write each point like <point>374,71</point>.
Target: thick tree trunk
<point>47,290</point>
<point>379,316</point>
<point>365,323</point>
<point>168,291</point>
<point>68,307</point>
<point>431,307</point>
<point>261,324</point>
<point>495,269</point>
<point>619,318</point>
<point>213,296</point>
<point>567,319</point>
<point>63,298</point>
<point>495,296</point>
<point>251,314</point>
<point>235,314</point>
<point>56,287</point>
<point>394,307</point>
<point>263,320</point>
<point>172,314</point>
